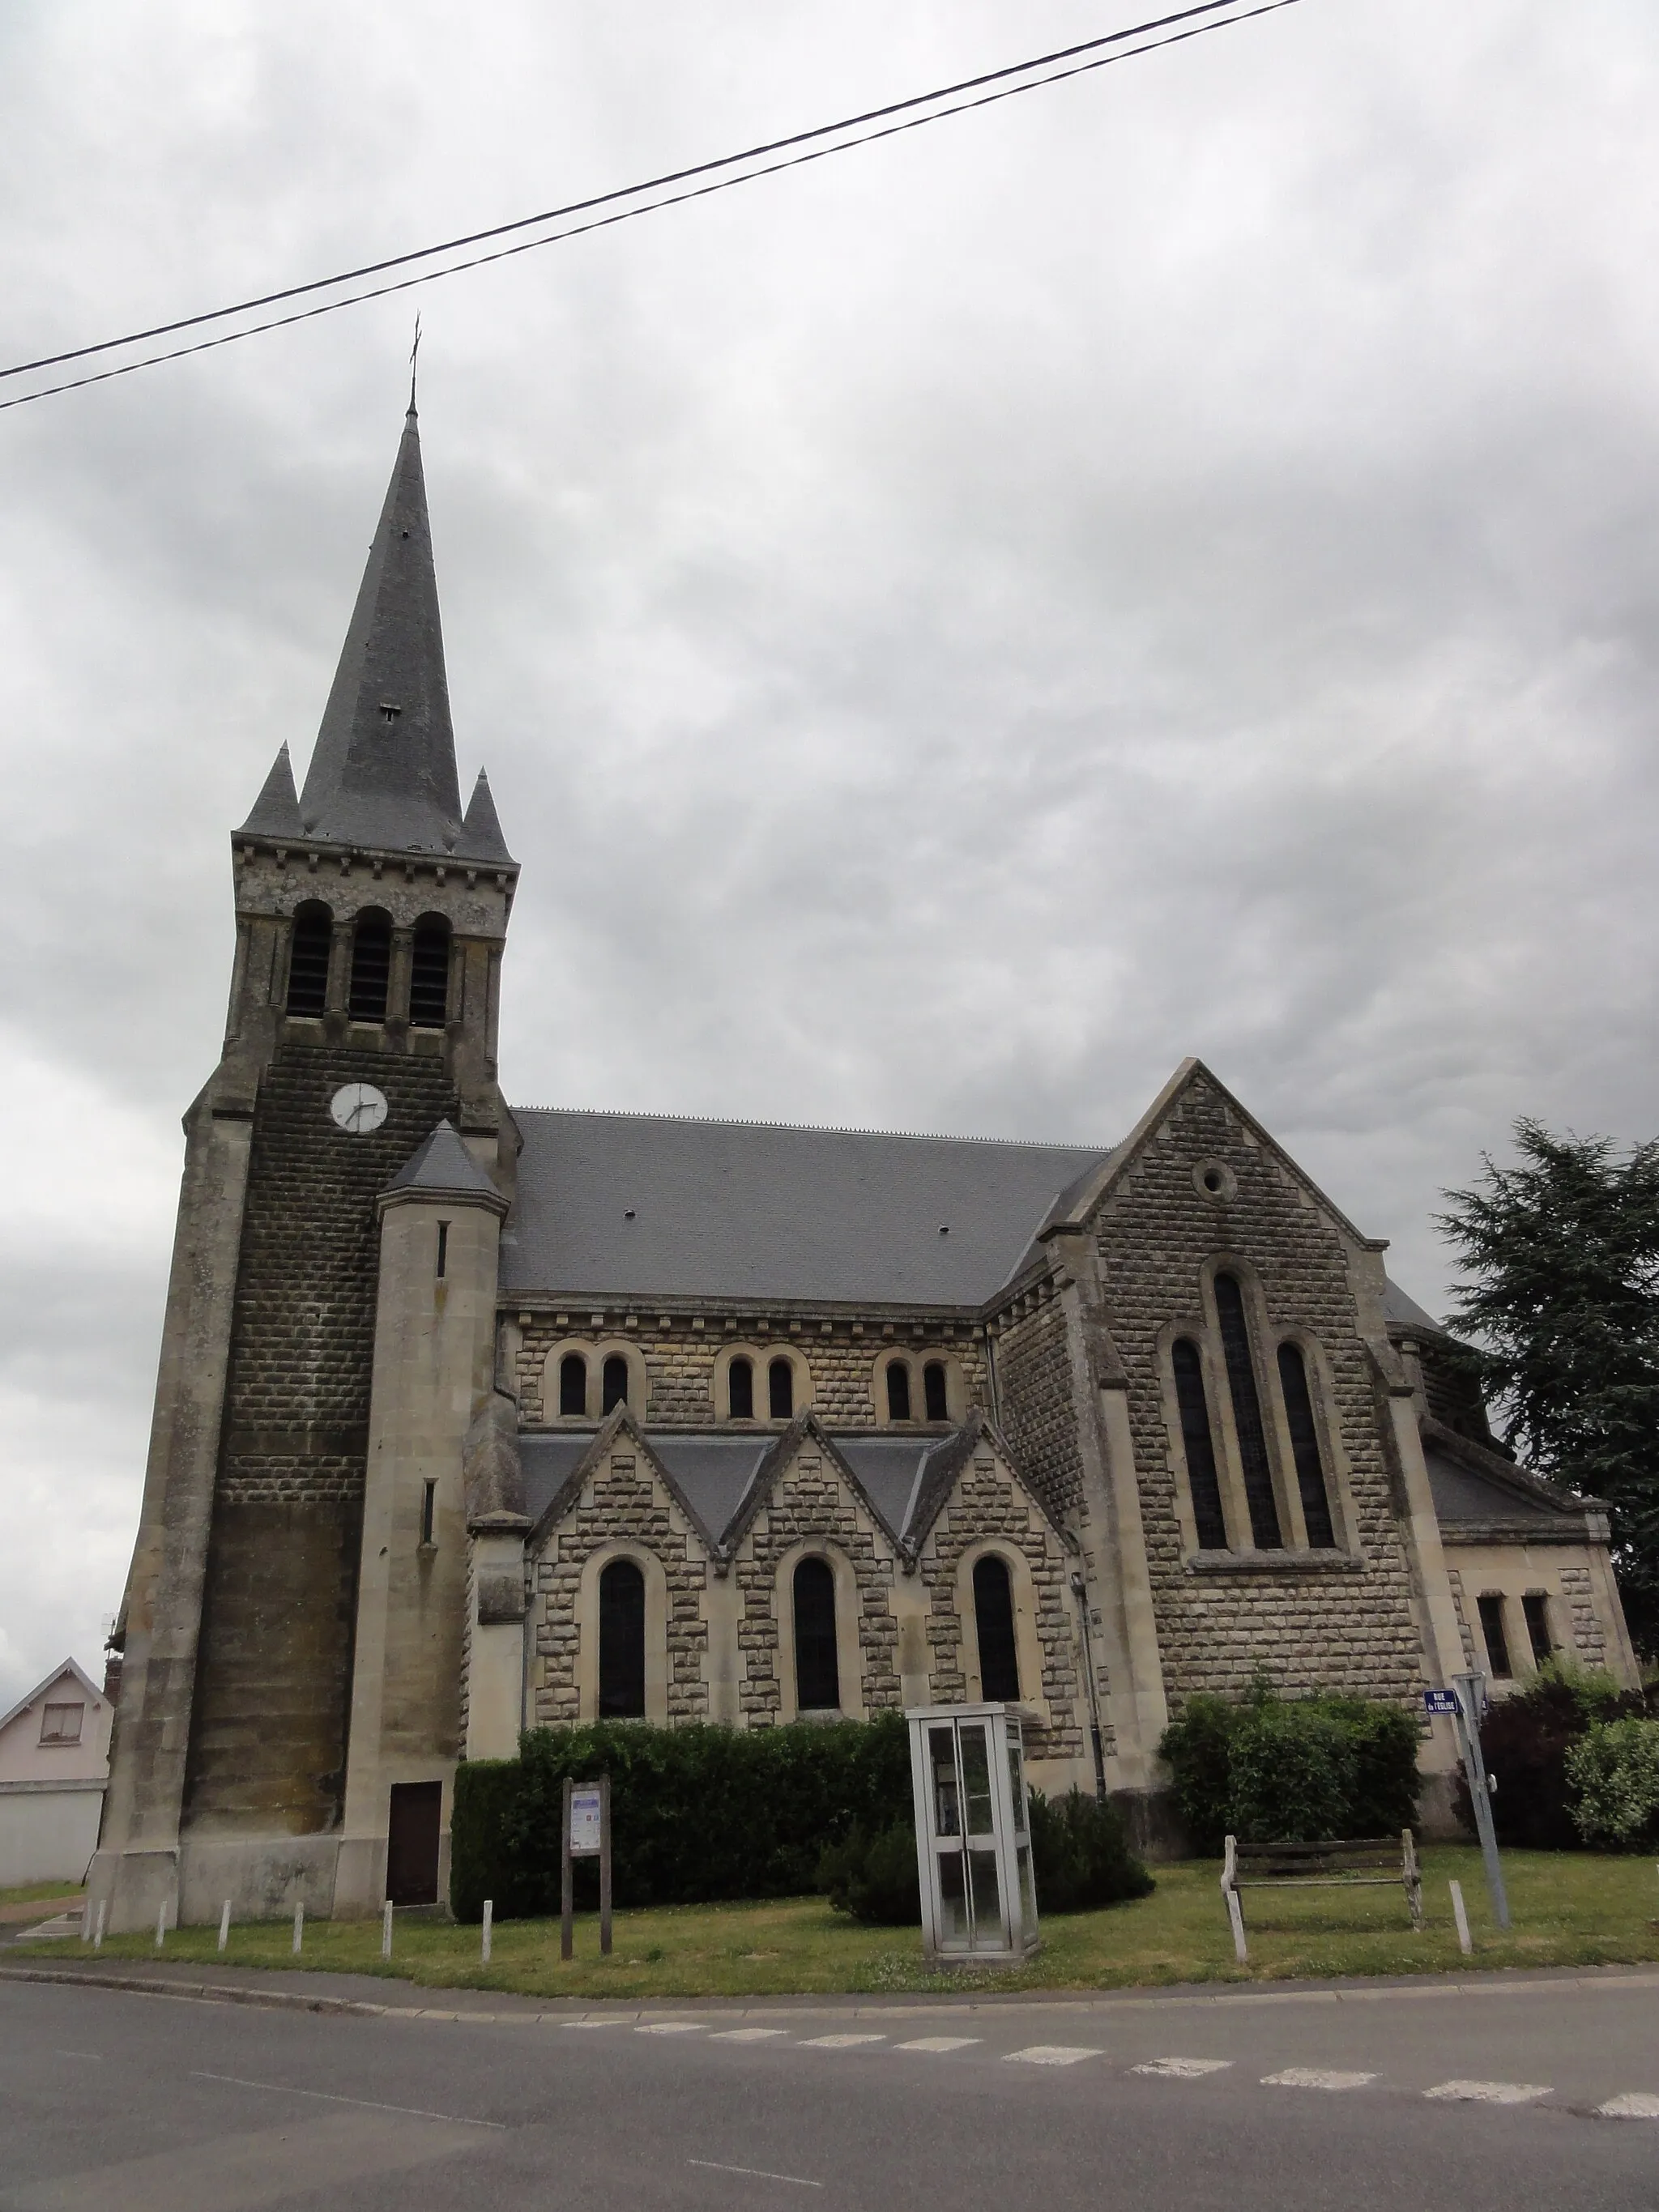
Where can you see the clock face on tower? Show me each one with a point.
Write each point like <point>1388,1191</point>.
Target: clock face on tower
<point>358,1109</point>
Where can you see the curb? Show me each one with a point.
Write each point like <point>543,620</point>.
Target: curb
<point>213,1992</point>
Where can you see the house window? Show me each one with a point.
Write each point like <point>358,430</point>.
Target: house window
<point>1304,1448</point>
<point>780,1389</point>
<point>622,1642</point>
<point>573,1385</point>
<point>62,1723</point>
<point>740,1389</point>
<point>1246,1416</point>
<point>1535,1610</point>
<point>1497,1644</point>
<point>614,1383</point>
<point>1203,1477</point>
<point>307,959</point>
<point>371,965</point>
<point>817,1672</point>
<point>428,974</point>
<point>935,1392</point>
<point>993,1619</point>
<point>899,1391</point>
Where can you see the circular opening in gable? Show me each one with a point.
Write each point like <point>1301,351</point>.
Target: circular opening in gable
<point>1215,1179</point>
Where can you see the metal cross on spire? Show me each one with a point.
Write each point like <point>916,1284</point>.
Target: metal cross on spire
<point>414,359</point>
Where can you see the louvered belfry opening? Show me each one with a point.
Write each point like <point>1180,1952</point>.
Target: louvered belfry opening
<point>307,959</point>
<point>428,980</point>
<point>993,1619</point>
<point>622,1642</point>
<point>371,965</point>
<point>817,1672</point>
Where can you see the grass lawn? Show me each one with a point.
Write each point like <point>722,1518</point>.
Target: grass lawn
<point>1568,1909</point>
<point>18,1904</point>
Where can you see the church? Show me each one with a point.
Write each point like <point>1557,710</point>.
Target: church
<point>472,1419</point>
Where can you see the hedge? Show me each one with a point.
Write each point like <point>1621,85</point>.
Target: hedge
<point>1273,1770</point>
<point>698,1813</point>
<point>1527,1740</point>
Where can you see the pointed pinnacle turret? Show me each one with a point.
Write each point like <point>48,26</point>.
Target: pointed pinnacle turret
<point>481,832</point>
<point>275,811</point>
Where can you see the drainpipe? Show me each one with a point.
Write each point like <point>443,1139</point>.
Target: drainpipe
<point>1082,1595</point>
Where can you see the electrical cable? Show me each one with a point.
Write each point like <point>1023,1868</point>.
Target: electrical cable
<point>1208,9</point>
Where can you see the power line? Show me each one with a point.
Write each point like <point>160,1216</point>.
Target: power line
<point>1207,9</point>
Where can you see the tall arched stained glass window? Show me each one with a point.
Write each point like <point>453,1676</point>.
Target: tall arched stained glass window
<point>622,1642</point>
<point>1203,1477</point>
<point>1304,1448</point>
<point>817,1672</point>
<point>1252,1433</point>
<point>993,1621</point>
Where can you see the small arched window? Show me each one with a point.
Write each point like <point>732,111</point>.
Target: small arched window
<point>1246,1416</point>
<point>1203,1478</point>
<point>994,1620</point>
<point>817,1673</point>
<point>573,1385</point>
<point>307,959</point>
<point>780,1389</point>
<point>371,965</point>
<point>1304,1448</point>
<point>622,1642</point>
<point>614,1383</point>
<point>740,1389</point>
<point>428,974</point>
<point>934,1392</point>
<point>899,1391</point>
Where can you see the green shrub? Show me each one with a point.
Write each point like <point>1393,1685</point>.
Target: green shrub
<point>1525,1740</point>
<point>875,1878</point>
<point>1612,1772</point>
<point>1198,1751</point>
<point>1293,1772</point>
<point>1272,1770</point>
<point>1080,1854</point>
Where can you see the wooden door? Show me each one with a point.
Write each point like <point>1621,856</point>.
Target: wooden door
<point>411,1853</point>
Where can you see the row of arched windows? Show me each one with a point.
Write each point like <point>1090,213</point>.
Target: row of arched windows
<point>368,989</point>
<point>622,1668</point>
<point>935,1392</point>
<point>584,1381</point>
<point>1249,1428</point>
<point>780,1389</point>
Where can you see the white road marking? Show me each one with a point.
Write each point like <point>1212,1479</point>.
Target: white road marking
<point>670,2028</point>
<point>838,2042</point>
<point>368,2104</point>
<point>1053,2054</point>
<point>755,2172</point>
<point>1488,2093</point>
<point>1634,2104</point>
<point>745,2035</point>
<point>939,2043</point>
<point>1314,2077</point>
<point>594,2023</point>
<point>1182,2069</point>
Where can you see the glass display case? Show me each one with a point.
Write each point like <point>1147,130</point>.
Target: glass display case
<point>973,1835</point>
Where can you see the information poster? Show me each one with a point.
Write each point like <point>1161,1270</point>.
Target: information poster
<point>585,1820</point>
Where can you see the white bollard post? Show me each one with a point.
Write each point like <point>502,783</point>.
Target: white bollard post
<point>224,1925</point>
<point>489,1917</point>
<point>386,1930</point>
<point>299,1928</point>
<point>161,1924</point>
<point>1462,1919</point>
<point>98,1932</point>
<point>1241,1949</point>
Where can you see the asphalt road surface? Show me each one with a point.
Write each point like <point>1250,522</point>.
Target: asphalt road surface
<point>1541,2093</point>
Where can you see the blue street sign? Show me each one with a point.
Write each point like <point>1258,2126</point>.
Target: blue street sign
<point>1440,1701</point>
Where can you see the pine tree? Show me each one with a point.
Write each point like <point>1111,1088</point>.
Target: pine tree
<point>1561,1297</point>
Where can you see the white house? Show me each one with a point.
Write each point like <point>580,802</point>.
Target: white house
<point>54,1764</point>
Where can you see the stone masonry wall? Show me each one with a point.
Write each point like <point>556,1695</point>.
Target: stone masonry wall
<point>1034,1391</point>
<point>1351,1631</point>
<point>1590,1636</point>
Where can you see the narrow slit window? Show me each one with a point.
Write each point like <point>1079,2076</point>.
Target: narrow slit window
<point>613,1384</point>
<point>1498,1642</point>
<point>1203,1477</point>
<point>429,1511</point>
<point>935,1396</point>
<point>1304,1448</point>
<point>899,1391</point>
<point>428,974</point>
<point>780,1389</point>
<point>622,1642</point>
<point>307,959</point>
<point>443,1248</point>
<point>1535,1611</point>
<point>573,1386</point>
<point>1246,1416</point>
<point>817,1672</point>
<point>994,1622</point>
<point>740,1389</point>
<point>371,965</point>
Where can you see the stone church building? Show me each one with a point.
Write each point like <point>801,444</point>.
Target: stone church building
<point>472,1419</point>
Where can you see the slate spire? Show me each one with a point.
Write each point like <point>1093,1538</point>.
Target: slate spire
<point>275,811</point>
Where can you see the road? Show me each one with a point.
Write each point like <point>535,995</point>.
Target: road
<point>1439,2098</point>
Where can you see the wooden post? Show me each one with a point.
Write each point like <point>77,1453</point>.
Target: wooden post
<point>604,1864</point>
<point>567,1888</point>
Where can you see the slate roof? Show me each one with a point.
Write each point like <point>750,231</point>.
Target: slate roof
<point>1402,1312</point>
<point>443,1164</point>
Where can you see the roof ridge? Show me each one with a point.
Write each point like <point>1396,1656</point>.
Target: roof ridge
<point>824,1129</point>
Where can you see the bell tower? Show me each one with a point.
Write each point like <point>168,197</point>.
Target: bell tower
<point>371,918</point>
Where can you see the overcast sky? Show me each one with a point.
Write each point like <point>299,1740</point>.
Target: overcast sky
<point>1165,565</point>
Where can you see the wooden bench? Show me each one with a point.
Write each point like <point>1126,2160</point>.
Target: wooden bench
<point>1364,1863</point>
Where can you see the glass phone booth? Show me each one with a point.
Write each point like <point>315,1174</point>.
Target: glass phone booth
<point>973,1835</point>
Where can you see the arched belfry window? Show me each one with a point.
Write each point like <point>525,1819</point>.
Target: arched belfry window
<point>371,965</point>
<point>614,1383</point>
<point>935,1392</point>
<point>428,974</point>
<point>740,1387</point>
<point>573,1385</point>
<point>307,958</point>
<point>780,1391</point>
<point>817,1673</point>
<point>622,1642</point>
<point>1251,1431</point>
<point>1304,1448</point>
<point>1203,1476</point>
<point>899,1391</point>
<point>993,1621</point>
